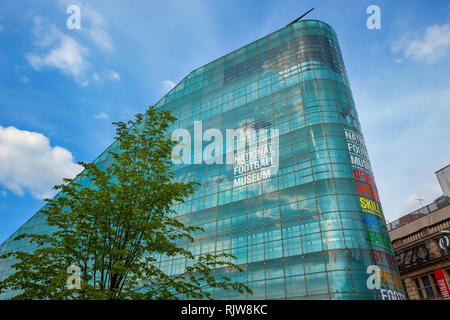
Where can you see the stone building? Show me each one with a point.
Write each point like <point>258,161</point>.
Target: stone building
<point>421,243</point>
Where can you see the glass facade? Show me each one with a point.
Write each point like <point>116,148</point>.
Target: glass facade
<point>311,228</point>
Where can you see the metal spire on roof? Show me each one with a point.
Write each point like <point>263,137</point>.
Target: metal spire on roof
<point>300,17</point>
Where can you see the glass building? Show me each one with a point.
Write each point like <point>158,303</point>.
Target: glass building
<point>314,227</point>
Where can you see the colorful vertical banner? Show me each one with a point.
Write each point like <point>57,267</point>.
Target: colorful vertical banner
<point>383,273</point>
<point>442,283</point>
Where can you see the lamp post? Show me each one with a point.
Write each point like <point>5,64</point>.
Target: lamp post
<point>421,204</point>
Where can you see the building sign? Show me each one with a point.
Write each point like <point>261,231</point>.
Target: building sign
<point>370,206</point>
<point>374,223</point>
<point>415,255</point>
<point>367,191</point>
<point>391,295</point>
<point>365,177</point>
<point>442,283</point>
<point>386,282</point>
<point>362,172</point>
<point>444,242</point>
<point>382,258</point>
<point>379,240</point>
<point>357,150</point>
<point>258,161</point>
<point>383,274</point>
<point>253,167</point>
<point>252,153</point>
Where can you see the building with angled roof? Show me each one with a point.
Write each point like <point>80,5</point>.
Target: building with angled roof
<point>312,225</point>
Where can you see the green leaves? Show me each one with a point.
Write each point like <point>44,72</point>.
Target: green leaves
<point>113,222</point>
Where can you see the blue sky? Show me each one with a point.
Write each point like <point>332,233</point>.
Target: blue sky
<point>61,88</point>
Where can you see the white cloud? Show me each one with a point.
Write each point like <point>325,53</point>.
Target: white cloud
<point>167,85</point>
<point>68,56</point>
<point>55,49</point>
<point>101,115</point>
<point>97,26</point>
<point>101,38</point>
<point>28,163</point>
<point>107,75</point>
<point>45,33</point>
<point>112,75</point>
<point>433,46</point>
<point>24,79</point>
<point>4,193</point>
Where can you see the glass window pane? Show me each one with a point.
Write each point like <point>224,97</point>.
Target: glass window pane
<point>436,286</point>
<point>427,286</point>
<point>419,290</point>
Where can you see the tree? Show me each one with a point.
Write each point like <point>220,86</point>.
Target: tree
<point>111,223</point>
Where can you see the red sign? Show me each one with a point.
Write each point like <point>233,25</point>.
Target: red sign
<point>361,175</point>
<point>368,190</point>
<point>439,274</point>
